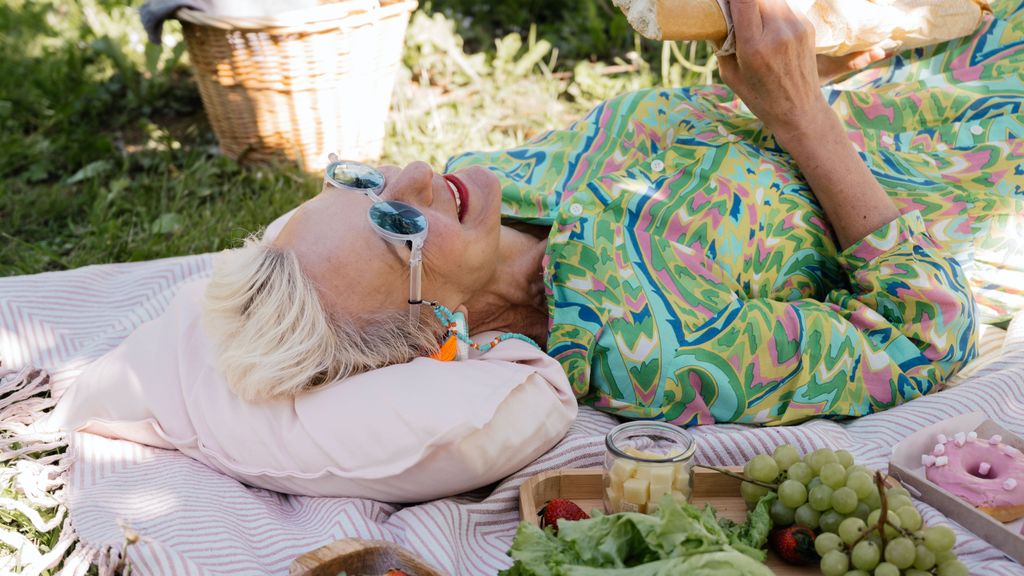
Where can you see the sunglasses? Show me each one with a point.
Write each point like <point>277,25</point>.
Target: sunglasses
<point>393,220</point>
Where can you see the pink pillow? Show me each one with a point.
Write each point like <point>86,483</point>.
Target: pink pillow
<point>404,433</point>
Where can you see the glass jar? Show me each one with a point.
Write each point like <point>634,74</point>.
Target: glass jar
<point>644,461</point>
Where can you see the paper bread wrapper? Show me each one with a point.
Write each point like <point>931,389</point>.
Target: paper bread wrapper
<point>841,26</point>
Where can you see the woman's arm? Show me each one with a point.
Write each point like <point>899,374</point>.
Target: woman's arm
<point>775,73</point>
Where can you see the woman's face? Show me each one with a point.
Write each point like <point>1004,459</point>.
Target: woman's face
<point>359,273</point>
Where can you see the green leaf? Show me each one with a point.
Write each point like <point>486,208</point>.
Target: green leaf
<point>90,171</point>
<point>167,223</point>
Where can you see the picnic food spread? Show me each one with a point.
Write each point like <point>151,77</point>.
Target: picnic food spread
<point>988,474</point>
<point>817,508</point>
<point>841,26</point>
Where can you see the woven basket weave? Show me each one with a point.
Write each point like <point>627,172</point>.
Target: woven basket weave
<point>302,84</point>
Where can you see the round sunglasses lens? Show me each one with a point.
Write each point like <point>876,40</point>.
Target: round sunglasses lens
<point>398,218</point>
<point>359,176</point>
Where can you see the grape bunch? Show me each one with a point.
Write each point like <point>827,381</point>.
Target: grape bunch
<point>862,529</point>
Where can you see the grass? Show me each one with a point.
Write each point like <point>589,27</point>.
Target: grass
<point>107,156</point>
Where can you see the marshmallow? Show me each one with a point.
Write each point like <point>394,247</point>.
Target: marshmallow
<point>960,438</point>
<point>972,435</point>
<point>1009,484</point>
<point>942,461</point>
<point>927,459</point>
<point>939,450</point>
<point>995,439</point>
<point>1009,450</point>
<point>941,438</point>
<point>983,468</point>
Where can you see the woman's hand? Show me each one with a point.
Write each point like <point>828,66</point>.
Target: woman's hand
<point>832,67</point>
<point>774,70</point>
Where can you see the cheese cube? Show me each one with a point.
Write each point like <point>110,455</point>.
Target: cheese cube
<point>662,474</point>
<point>622,470</point>
<point>614,499</point>
<point>652,507</point>
<point>643,472</point>
<point>679,496</point>
<point>636,491</point>
<point>659,489</point>
<point>682,476</point>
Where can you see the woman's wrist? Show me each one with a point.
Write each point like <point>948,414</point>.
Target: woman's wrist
<point>801,133</point>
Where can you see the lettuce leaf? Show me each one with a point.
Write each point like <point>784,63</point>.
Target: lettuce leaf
<point>678,539</point>
<point>751,536</point>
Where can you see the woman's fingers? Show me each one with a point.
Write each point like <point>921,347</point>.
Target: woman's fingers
<point>830,67</point>
<point>746,19</point>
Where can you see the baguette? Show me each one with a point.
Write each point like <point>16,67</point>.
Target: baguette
<point>841,26</point>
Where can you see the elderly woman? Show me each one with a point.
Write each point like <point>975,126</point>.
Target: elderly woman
<point>682,259</point>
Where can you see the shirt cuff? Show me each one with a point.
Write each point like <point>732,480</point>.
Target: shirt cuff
<point>892,235</point>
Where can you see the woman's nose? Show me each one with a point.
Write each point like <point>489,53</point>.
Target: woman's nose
<point>414,184</point>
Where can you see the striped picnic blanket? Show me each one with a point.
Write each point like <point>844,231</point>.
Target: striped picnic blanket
<point>192,520</point>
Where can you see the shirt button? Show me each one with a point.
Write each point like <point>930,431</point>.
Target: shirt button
<point>657,165</point>
<point>575,209</point>
<point>977,130</point>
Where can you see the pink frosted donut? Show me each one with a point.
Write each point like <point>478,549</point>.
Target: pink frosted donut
<point>986,473</point>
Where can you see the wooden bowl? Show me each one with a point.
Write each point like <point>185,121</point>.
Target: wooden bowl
<point>360,558</point>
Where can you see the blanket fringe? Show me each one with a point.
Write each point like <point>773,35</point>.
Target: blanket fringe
<point>33,473</point>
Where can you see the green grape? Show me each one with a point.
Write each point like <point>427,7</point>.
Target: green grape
<point>830,520</point>
<point>800,472</point>
<point>897,491</point>
<point>807,517</point>
<point>939,538</point>
<point>856,573</point>
<point>785,456</point>
<point>910,518</point>
<point>792,493</point>
<point>860,483</point>
<point>865,555</point>
<point>851,529</point>
<point>752,493</point>
<point>953,568</point>
<point>814,483</point>
<point>892,526</point>
<point>844,500</point>
<point>762,468</point>
<point>897,502</point>
<point>833,475</point>
<point>915,572</point>
<point>873,517</point>
<point>944,556</point>
<point>781,514</point>
<point>901,552</point>
<point>845,458</point>
<point>821,457</point>
<point>826,542</point>
<point>834,563</point>
<point>925,558</point>
<point>861,511</point>
<point>820,498</point>
<point>873,500</point>
<point>887,569</point>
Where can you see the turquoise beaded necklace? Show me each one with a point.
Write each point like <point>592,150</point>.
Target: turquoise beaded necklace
<point>450,320</point>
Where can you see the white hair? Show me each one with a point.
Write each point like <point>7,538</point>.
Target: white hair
<point>274,336</point>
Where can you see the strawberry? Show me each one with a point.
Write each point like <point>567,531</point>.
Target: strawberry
<point>794,544</point>
<point>395,572</point>
<point>560,509</point>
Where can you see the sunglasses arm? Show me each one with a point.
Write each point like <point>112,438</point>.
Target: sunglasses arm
<point>415,281</point>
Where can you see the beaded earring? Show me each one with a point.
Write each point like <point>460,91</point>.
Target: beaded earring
<point>455,324</point>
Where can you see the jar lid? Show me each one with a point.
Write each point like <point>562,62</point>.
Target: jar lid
<point>680,439</point>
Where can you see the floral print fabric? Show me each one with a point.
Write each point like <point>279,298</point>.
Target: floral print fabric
<point>693,277</point>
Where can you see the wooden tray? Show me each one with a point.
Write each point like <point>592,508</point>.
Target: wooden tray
<point>359,558</point>
<point>585,486</point>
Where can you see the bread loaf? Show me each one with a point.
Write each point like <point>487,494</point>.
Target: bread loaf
<point>841,26</point>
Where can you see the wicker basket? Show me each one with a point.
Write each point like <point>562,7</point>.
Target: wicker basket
<point>301,84</point>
